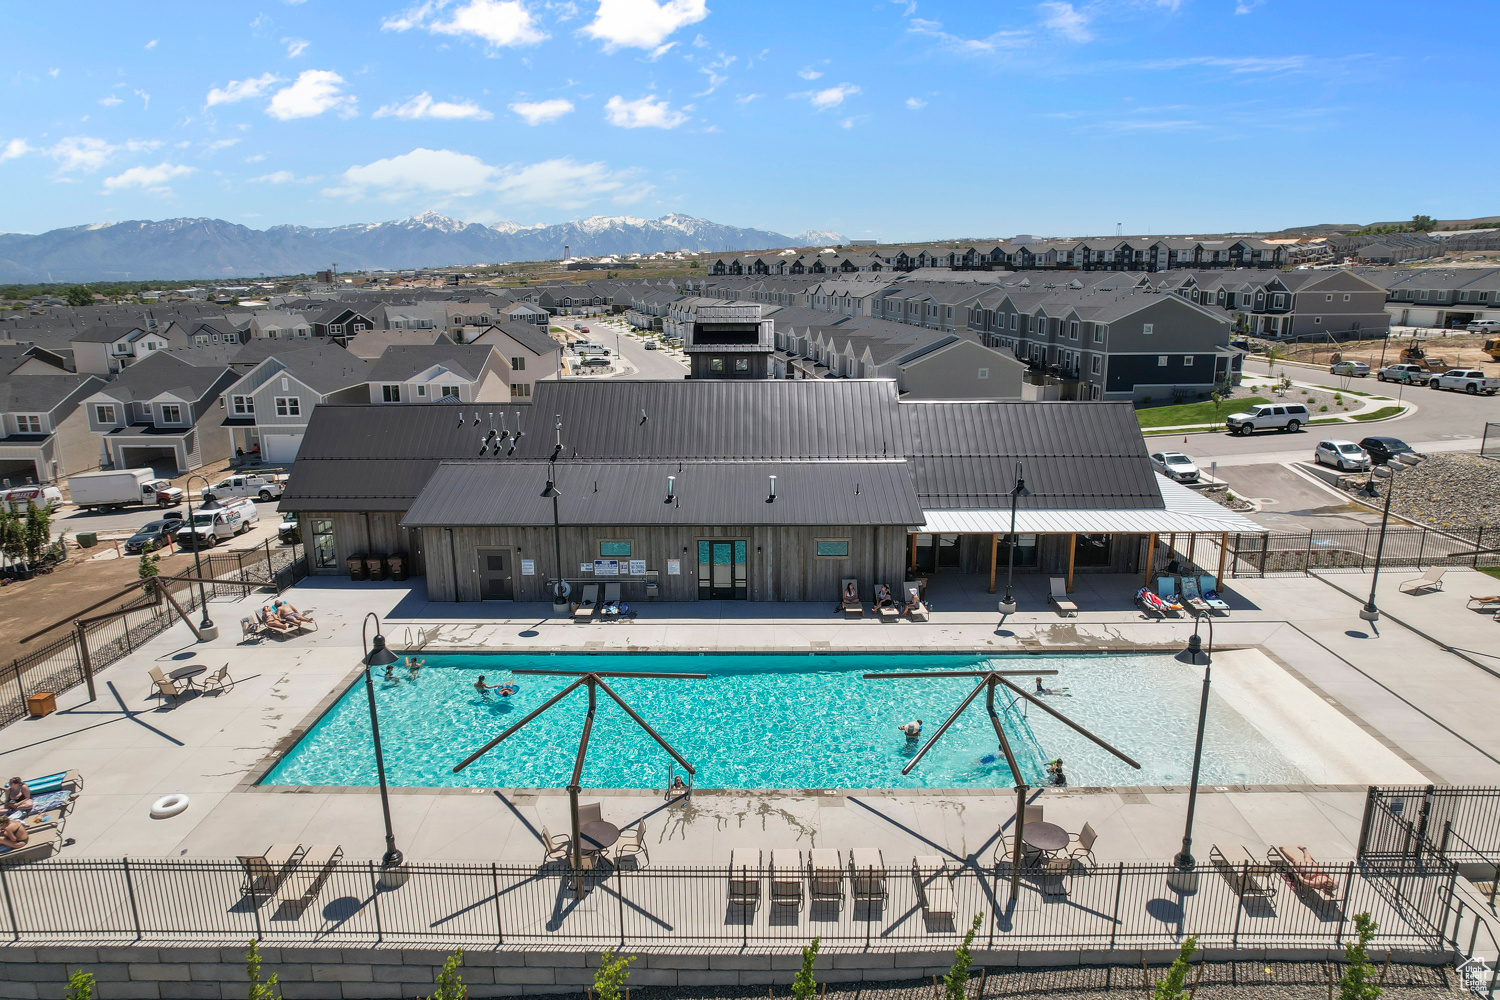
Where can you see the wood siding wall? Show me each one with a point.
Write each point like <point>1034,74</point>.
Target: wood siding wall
<point>366,534</point>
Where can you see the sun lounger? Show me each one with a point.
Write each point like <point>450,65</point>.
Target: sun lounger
<point>303,883</point>
<point>1430,580</point>
<point>1059,597</point>
<point>887,607</point>
<point>744,877</point>
<point>867,873</point>
<point>826,879</point>
<point>1245,875</point>
<point>1208,589</point>
<point>916,609</point>
<point>1148,601</point>
<point>934,882</point>
<point>851,608</point>
<point>1484,605</point>
<point>274,625</point>
<point>251,630</point>
<point>68,781</point>
<point>1300,870</point>
<point>1190,594</point>
<point>42,844</point>
<point>786,876</point>
<point>588,604</point>
<point>263,873</point>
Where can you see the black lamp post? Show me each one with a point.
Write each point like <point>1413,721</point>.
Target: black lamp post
<point>1369,612</point>
<point>559,599</point>
<point>1185,879</point>
<point>206,628</point>
<point>1008,606</point>
<point>377,654</point>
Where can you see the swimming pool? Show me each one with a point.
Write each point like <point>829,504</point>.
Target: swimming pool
<point>781,721</point>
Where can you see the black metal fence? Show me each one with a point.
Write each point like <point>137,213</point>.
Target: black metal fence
<point>59,664</point>
<point>692,909</point>
<point>1418,822</point>
<point>1353,551</point>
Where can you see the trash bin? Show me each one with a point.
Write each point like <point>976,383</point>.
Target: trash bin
<point>87,539</point>
<point>356,565</point>
<point>375,566</point>
<point>397,562</point>
<point>43,703</point>
<point>651,591</point>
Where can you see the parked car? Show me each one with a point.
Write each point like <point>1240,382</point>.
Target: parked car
<point>289,530</point>
<point>595,362</point>
<point>154,533</point>
<point>1343,455</point>
<point>652,345</point>
<point>1470,380</point>
<point>1268,416</point>
<point>1484,326</point>
<point>231,518</point>
<point>1382,449</point>
<point>1358,368</point>
<point>1175,465</point>
<point>1409,374</point>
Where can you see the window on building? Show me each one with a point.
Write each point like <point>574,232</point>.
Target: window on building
<point>325,554</point>
<point>244,406</point>
<point>521,390</point>
<point>832,548</point>
<point>171,413</point>
<point>1278,301</point>
<point>104,414</point>
<point>1317,319</point>
<point>1330,298</point>
<point>1013,321</point>
<point>984,373</point>
<point>391,393</point>
<point>288,406</point>
<point>1073,330</point>
<point>1346,296</point>
<point>1146,328</point>
<point>716,365</point>
<point>1187,361</point>
<point>614,548</point>
<point>1161,361</point>
<point>450,390</point>
<point>518,364</point>
<point>28,424</point>
<point>421,391</point>
<point>1098,333</point>
<point>1097,364</point>
<point>743,364</point>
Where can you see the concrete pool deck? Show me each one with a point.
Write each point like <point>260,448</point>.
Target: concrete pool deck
<point>1431,708</point>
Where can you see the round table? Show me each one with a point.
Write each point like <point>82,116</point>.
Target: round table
<point>598,835</point>
<point>1044,836</point>
<point>187,673</point>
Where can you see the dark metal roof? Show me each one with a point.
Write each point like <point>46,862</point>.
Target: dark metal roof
<point>487,492</point>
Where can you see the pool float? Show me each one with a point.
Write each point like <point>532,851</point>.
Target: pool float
<point>514,689</point>
<point>169,805</point>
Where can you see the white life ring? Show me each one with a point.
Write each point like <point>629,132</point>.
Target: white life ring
<point>169,805</point>
<point>563,587</point>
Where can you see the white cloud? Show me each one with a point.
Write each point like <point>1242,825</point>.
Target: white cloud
<point>295,46</point>
<point>255,158</point>
<point>240,90</point>
<point>151,44</point>
<point>145,99</point>
<point>717,73</point>
<point>1067,20</point>
<point>568,184</point>
<point>562,183</point>
<point>53,72</point>
<point>747,98</point>
<point>642,113</point>
<point>314,92</point>
<point>110,100</point>
<point>809,73</point>
<point>854,120</point>
<point>421,170</point>
<point>699,42</point>
<point>82,152</point>
<point>281,177</point>
<point>831,97</point>
<point>989,45</point>
<point>915,103</point>
<point>222,143</point>
<point>541,112</point>
<point>641,24</point>
<point>15,148</point>
<point>1246,6</point>
<point>150,179</point>
<point>423,106</point>
<point>505,23</point>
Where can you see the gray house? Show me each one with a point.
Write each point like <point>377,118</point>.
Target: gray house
<point>267,410</point>
<point>44,433</point>
<point>468,373</point>
<point>162,413</point>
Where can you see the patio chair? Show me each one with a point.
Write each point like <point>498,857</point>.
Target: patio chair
<point>744,877</point>
<point>1053,875</point>
<point>264,872</point>
<point>588,603</point>
<point>39,845</point>
<point>1082,846</point>
<point>1430,580</point>
<point>166,687</point>
<point>588,812</point>
<point>1007,847</point>
<point>251,630</point>
<point>1484,605</point>
<point>1245,875</point>
<point>851,608</point>
<point>934,882</point>
<point>1300,870</point>
<point>1208,589</point>
<point>557,846</point>
<point>825,875</point>
<point>867,873</point>
<point>218,679</point>
<point>1060,599</point>
<point>632,844</point>
<point>916,609</point>
<point>786,876</point>
<point>307,877</point>
<point>886,604</point>
<point>1190,594</point>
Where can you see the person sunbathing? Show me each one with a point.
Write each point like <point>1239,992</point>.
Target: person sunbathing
<point>17,796</point>
<point>1313,876</point>
<point>883,597</point>
<point>851,593</point>
<point>13,835</point>
<point>289,614</point>
<point>272,618</point>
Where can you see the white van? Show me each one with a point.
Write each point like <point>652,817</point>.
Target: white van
<point>19,499</point>
<point>231,518</point>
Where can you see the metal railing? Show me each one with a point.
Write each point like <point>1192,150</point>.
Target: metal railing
<point>1353,551</point>
<point>692,909</point>
<point>1412,822</point>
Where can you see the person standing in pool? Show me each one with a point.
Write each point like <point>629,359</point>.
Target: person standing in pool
<point>485,689</point>
<point>912,729</point>
<point>390,674</point>
<point>413,665</point>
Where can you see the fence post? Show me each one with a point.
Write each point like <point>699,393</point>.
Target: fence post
<point>15,669</point>
<point>1478,544</point>
<point>135,914</point>
<point>269,572</point>
<point>375,899</point>
<point>1114,923</point>
<point>1422,820</point>
<point>1265,551</point>
<point>620,895</point>
<point>1239,909</point>
<point>1364,552</point>
<point>499,924</point>
<point>1307,558</point>
<point>83,655</point>
<point>1421,547</point>
<point>10,910</point>
<point>1338,932</point>
<point>1364,824</point>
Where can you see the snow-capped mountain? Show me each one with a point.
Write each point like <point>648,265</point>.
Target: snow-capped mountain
<point>213,248</point>
<point>818,237</point>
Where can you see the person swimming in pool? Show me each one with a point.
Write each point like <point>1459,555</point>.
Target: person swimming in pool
<point>390,674</point>
<point>413,665</point>
<point>912,729</point>
<point>1061,692</point>
<point>1055,772</point>
<point>483,688</point>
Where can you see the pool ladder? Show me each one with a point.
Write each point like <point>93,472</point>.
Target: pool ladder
<point>671,776</point>
<point>421,640</point>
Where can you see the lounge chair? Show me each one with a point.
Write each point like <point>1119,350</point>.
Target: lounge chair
<point>611,600</point>
<point>934,882</point>
<point>850,608</point>
<point>274,625</point>
<point>264,872</point>
<point>632,844</point>
<point>887,607</point>
<point>1190,594</point>
<point>303,883</point>
<point>786,876</point>
<point>1484,605</point>
<point>916,608</point>
<point>1245,875</point>
<point>588,604</point>
<point>1166,589</point>
<point>218,679</point>
<point>826,875</point>
<point>867,873</point>
<point>251,630</point>
<point>1430,580</point>
<point>41,844</point>
<point>1060,599</point>
<point>558,846</point>
<point>1153,604</point>
<point>1208,589</point>
<point>68,781</point>
<point>744,877</point>
<point>1300,870</point>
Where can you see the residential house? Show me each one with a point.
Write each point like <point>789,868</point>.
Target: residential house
<point>268,408</point>
<point>44,431</point>
<point>523,312</point>
<point>104,350</point>
<point>531,351</point>
<point>162,412</point>
<point>1438,296</point>
<point>279,324</point>
<point>466,373</point>
<point>340,323</point>
<point>372,343</point>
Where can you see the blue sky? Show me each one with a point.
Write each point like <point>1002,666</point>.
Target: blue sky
<point>898,120</point>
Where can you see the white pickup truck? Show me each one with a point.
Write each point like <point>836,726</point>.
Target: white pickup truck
<point>263,486</point>
<point>1470,380</point>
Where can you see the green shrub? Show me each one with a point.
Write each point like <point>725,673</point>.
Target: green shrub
<point>1171,987</point>
<point>804,986</point>
<point>80,986</point>
<point>1146,400</point>
<point>611,975</point>
<point>1323,408</point>
<point>1355,983</point>
<point>956,982</point>
<point>258,990</point>
<point>450,985</point>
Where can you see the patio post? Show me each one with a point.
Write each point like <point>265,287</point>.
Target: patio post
<point>1072,558</point>
<point>1223,554</point>
<point>1150,559</point>
<point>994,558</point>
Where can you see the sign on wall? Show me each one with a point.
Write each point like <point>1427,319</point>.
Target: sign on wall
<point>528,567</point>
<point>637,567</point>
<point>606,567</point>
<point>674,567</point>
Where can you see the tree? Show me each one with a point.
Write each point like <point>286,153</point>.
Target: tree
<point>148,570</point>
<point>258,990</point>
<point>450,986</point>
<point>804,986</point>
<point>1355,983</point>
<point>37,533</point>
<point>80,986</point>
<point>956,982</point>
<point>78,295</point>
<point>611,975</point>
<point>12,537</point>
<point>1171,987</point>
<point>1423,223</point>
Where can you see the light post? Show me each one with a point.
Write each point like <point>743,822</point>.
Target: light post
<point>1369,612</point>
<point>559,599</point>
<point>377,654</point>
<point>206,628</point>
<point>1008,606</point>
<point>1185,878</point>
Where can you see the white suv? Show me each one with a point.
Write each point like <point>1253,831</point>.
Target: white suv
<point>1268,416</point>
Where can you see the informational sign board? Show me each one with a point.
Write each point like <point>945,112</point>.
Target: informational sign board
<point>528,567</point>
<point>606,567</point>
<point>674,567</point>
<point>585,567</point>
<point>637,567</point>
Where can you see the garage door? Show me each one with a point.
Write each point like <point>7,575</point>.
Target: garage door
<point>162,460</point>
<point>280,449</point>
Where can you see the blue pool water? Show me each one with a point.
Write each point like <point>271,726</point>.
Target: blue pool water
<point>780,721</point>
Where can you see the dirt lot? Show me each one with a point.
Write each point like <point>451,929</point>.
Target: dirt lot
<point>1458,352</point>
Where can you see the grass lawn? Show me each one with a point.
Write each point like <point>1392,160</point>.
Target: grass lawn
<point>1380,414</point>
<point>1194,413</point>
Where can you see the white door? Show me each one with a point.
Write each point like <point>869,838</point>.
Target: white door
<point>280,449</point>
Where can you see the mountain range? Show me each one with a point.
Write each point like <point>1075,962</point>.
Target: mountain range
<point>212,248</point>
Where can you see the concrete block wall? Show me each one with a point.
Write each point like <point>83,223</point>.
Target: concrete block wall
<point>217,972</point>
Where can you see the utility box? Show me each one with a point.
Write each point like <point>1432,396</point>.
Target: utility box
<point>87,539</point>
<point>41,704</point>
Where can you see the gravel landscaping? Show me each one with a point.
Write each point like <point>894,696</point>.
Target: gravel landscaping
<point>1225,497</point>
<point>1445,491</point>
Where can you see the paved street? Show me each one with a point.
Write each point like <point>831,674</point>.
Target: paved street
<point>648,364</point>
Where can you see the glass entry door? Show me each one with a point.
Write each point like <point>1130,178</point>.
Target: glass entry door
<point>495,583</point>
<point>721,571</point>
